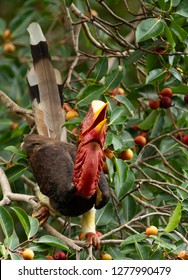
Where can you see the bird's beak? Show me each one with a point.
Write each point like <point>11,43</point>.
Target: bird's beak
<point>95,118</point>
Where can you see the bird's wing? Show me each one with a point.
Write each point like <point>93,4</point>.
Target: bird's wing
<point>45,88</point>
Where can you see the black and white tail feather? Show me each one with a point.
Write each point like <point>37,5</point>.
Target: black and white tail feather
<point>46,87</point>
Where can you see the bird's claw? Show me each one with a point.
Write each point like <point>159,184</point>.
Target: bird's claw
<point>93,240</point>
<point>41,214</point>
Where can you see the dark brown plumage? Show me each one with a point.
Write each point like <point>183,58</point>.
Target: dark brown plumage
<point>52,163</point>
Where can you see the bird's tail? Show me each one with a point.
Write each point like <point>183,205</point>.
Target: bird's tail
<point>46,89</point>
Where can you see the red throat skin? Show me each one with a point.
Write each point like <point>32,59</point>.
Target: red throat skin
<point>87,168</point>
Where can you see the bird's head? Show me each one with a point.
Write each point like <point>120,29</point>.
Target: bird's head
<point>89,158</point>
<point>93,127</point>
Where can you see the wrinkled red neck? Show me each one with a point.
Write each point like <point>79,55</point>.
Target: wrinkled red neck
<point>87,168</point>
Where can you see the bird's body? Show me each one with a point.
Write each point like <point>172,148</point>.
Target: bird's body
<point>52,163</point>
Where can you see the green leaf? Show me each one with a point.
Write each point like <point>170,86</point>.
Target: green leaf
<point>162,243</point>
<point>118,116</point>
<point>123,178</point>
<point>175,219</point>
<point>13,241</point>
<point>88,94</point>
<point>149,28</point>
<point>133,57</point>
<point>149,120</point>
<point>104,215</point>
<point>170,38</point>
<point>155,75</point>
<point>117,142</point>
<point>176,74</point>
<point>6,222</point>
<point>127,104</point>
<point>132,239</point>
<point>52,241</point>
<point>101,68</point>
<point>139,250</point>
<point>16,151</point>
<point>2,26</point>
<point>34,226</point>
<point>158,125</point>
<point>24,219</point>
<point>179,31</point>
<point>148,91</point>
<point>114,78</point>
<point>182,89</point>
<point>69,2</point>
<point>183,9</point>
<point>15,172</point>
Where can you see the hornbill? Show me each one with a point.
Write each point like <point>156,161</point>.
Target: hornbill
<point>71,177</point>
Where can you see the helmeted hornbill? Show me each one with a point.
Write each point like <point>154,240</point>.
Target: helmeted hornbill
<point>71,177</point>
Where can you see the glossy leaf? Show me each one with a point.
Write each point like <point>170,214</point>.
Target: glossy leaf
<point>101,69</point>
<point>118,116</point>
<point>88,94</point>
<point>104,215</point>
<point>52,241</point>
<point>24,219</point>
<point>34,226</point>
<point>113,79</point>
<point>183,9</point>
<point>123,178</point>
<point>175,219</point>
<point>6,222</point>
<point>169,36</point>
<point>179,31</point>
<point>155,75</point>
<point>16,151</point>
<point>149,28</point>
<point>127,104</point>
<point>132,238</point>
<point>13,241</point>
<point>15,172</point>
<point>148,122</point>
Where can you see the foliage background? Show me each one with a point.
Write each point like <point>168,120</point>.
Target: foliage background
<point>140,47</point>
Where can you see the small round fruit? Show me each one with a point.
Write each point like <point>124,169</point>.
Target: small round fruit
<point>105,167</point>
<point>106,257</point>
<point>71,114</point>
<point>28,254</point>
<point>154,104</point>
<point>126,155</point>
<point>119,91</point>
<point>160,50</point>
<point>166,92</point>
<point>92,12</point>
<point>186,98</point>
<point>165,102</point>
<point>81,236</point>
<point>140,140</point>
<point>6,34</point>
<point>66,107</point>
<point>185,139</point>
<point>9,47</point>
<point>14,125</point>
<point>109,153</point>
<point>152,230</point>
<point>60,256</point>
<point>49,257</point>
<point>183,255</point>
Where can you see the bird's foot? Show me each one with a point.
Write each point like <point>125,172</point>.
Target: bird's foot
<point>41,214</point>
<point>93,240</point>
